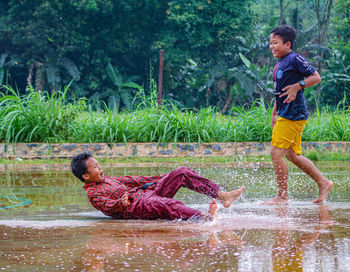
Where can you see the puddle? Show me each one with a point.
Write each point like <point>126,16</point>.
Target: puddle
<point>60,231</point>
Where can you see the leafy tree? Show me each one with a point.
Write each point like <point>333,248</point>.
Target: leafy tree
<point>48,44</point>
<point>320,31</point>
<point>337,80</point>
<point>56,41</point>
<point>202,40</point>
<point>323,14</point>
<point>124,88</point>
<point>40,40</point>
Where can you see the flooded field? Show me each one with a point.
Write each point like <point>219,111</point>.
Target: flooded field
<point>47,224</point>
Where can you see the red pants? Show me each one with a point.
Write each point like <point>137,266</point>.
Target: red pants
<point>159,203</point>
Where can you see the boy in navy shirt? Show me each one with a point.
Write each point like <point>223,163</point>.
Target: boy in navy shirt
<point>291,75</point>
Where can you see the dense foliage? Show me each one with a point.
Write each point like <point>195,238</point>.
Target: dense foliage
<point>43,118</point>
<point>216,52</point>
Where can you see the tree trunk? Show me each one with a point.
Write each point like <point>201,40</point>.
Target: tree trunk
<point>227,100</point>
<point>30,76</point>
<point>207,95</point>
<point>281,20</point>
<point>39,81</point>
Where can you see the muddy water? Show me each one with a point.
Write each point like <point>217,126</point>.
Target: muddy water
<point>47,224</point>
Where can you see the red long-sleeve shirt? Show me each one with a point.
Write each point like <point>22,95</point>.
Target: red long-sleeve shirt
<point>106,195</point>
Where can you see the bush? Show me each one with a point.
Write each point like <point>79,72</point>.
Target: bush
<point>37,116</point>
<point>40,117</point>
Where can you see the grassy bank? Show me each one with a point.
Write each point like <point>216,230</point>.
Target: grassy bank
<point>39,117</point>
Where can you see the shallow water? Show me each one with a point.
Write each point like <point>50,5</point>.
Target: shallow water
<point>60,231</point>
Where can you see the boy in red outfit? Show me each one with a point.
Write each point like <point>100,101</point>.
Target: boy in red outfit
<point>139,197</point>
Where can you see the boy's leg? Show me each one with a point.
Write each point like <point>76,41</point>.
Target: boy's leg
<point>281,173</point>
<point>310,169</point>
<point>286,134</point>
<point>185,177</point>
<point>153,206</point>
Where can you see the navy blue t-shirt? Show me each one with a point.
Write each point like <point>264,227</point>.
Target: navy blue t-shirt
<point>289,70</point>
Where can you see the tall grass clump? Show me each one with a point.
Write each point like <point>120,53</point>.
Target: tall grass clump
<point>36,116</point>
<point>41,117</point>
<point>169,123</point>
<point>329,125</point>
<point>253,124</point>
<point>103,126</point>
<point>175,125</point>
<point>148,123</point>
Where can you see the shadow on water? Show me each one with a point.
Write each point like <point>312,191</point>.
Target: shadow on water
<point>60,231</point>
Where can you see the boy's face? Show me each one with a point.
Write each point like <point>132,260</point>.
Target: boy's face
<point>278,48</point>
<point>94,171</point>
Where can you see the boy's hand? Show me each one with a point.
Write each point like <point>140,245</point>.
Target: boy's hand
<point>125,200</point>
<point>291,92</point>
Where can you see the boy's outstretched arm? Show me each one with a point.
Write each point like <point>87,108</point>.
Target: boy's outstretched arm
<point>292,90</point>
<point>107,205</point>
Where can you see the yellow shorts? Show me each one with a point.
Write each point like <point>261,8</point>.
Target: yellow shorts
<point>287,261</point>
<point>287,134</point>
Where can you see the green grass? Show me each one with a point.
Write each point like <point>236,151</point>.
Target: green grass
<point>327,156</point>
<point>37,116</point>
<point>328,125</point>
<point>40,117</point>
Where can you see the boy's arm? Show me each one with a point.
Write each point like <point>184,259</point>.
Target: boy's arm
<point>137,181</point>
<point>292,90</point>
<point>108,205</point>
<point>274,115</point>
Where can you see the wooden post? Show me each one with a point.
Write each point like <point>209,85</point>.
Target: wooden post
<point>160,79</point>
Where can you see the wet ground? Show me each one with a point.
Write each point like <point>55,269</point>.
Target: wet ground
<point>47,224</point>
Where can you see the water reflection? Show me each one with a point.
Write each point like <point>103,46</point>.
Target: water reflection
<point>249,238</point>
<point>149,246</point>
<point>60,231</point>
<point>287,251</point>
<point>183,247</point>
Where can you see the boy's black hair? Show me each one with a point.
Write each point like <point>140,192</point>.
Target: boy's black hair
<point>287,33</point>
<point>78,165</point>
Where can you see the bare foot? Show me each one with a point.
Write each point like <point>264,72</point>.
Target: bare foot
<point>323,192</point>
<point>212,208</point>
<point>276,201</point>
<point>226,198</point>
